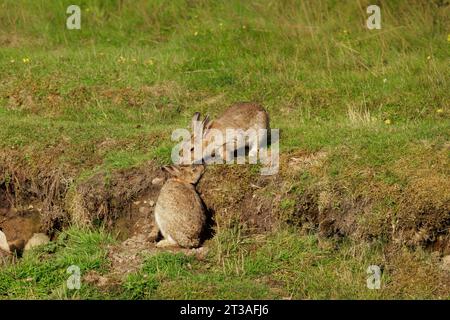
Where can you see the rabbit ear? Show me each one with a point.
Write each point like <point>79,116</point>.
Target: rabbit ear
<point>171,169</point>
<point>206,124</point>
<point>195,118</point>
<point>206,120</point>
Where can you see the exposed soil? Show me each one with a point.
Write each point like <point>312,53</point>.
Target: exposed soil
<point>136,230</point>
<point>139,219</point>
<point>116,199</point>
<point>18,224</point>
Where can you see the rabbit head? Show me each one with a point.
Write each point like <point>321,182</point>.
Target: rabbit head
<point>189,173</point>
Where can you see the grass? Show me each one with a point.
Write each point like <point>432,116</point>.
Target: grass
<point>284,264</point>
<point>43,273</point>
<point>108,96</point>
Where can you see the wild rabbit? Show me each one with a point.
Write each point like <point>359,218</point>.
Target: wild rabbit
<point>179,212</point>
<point>240,116</point>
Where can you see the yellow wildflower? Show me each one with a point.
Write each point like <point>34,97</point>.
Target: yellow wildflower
<point>387,121</point>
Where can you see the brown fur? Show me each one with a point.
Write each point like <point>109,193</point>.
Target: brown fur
<point>179,213</point>
<point>242,115</point>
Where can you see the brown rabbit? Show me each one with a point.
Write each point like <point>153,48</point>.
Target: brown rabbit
<point>242,115</point>
<point>179,212</point>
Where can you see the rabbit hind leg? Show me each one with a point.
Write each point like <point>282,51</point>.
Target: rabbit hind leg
<point>169,242</point>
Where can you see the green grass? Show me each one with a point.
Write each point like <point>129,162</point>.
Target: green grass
<point>108,96</point>
<point>42,273</point>
<point>285,264</point>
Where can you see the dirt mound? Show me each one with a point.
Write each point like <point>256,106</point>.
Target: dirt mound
<point>417,214</point>
<point>235,194</point>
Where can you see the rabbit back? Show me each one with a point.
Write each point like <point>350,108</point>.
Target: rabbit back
<point>244,115</point>
<point>180,214</point>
